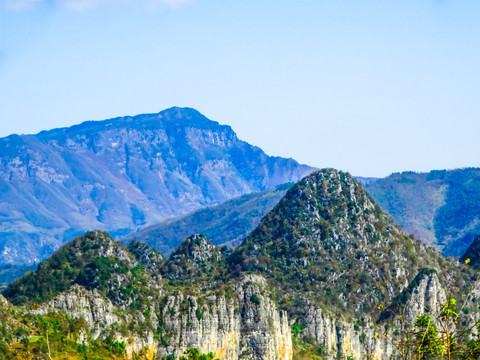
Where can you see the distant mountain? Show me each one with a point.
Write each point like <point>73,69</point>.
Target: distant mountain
<point>365,180</point>
<point>123,174</point>
<point>9,272</point>
<point>228,223</point>
<point>441,207</point>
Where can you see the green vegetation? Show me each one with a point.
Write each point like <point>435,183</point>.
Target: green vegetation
<point>255,299</point>
<point>195,354</point>
<point>306,349</point>
<point>443,336</point>
<point>55,336</point>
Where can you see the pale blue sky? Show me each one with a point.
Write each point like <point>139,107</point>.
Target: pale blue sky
<point>370,87</point>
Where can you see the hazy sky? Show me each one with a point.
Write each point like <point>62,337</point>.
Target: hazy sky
<point>366,86</point>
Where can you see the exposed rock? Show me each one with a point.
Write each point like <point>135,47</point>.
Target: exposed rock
<point>150,258</point>
<point>428,296</point>
<point>248,325</point>
<point>341,337</point>
<point>98,311</point>
<point>195,257</point>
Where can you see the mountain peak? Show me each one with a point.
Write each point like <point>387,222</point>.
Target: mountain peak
<point>195,257</point>
<point>89,260</point>
<point>122,174</point>
<point>329,238</point>
<point>182,113</point>
<point>196,248</point>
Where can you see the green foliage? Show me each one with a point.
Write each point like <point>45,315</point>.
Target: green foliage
<point>199,314</point>
<point>195,354</point>
<point>427,344</point>
<point>438,337</point>
<point>255,299</point>
<point>306,349</point>
<point>54,334</point>
<point>297,329</point>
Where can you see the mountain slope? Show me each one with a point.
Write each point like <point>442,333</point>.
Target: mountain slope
<point>228,223</point>
<point>329,244</point>
<point>121,174</point>
<point>440,207</point>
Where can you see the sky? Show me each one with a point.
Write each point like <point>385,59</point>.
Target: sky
<point>370,87</point>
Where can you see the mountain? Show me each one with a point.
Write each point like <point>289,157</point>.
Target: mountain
<point>228,223</point>
<point>342,269</point>
<point>441,207</point>
<point>122,174</point>
<point>115,302</point>
<point>328,243</point>
<point>325,275</point>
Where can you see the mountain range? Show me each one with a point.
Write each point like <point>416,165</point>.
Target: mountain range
<point>441,208</point>
<point>123,174</point>
<point>326,274</point>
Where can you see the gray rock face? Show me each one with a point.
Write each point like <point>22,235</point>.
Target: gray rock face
<point>247,325</point>
<point>121,174</point>
<point>429,296</point>
<point>337,336</point>
<point>98,312</point>
<point>368,340</point>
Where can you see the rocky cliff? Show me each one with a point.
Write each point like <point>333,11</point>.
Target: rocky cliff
<point>231,328</point>
<point>122,174</point>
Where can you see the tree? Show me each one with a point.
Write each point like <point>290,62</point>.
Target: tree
<point>194,354</point>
